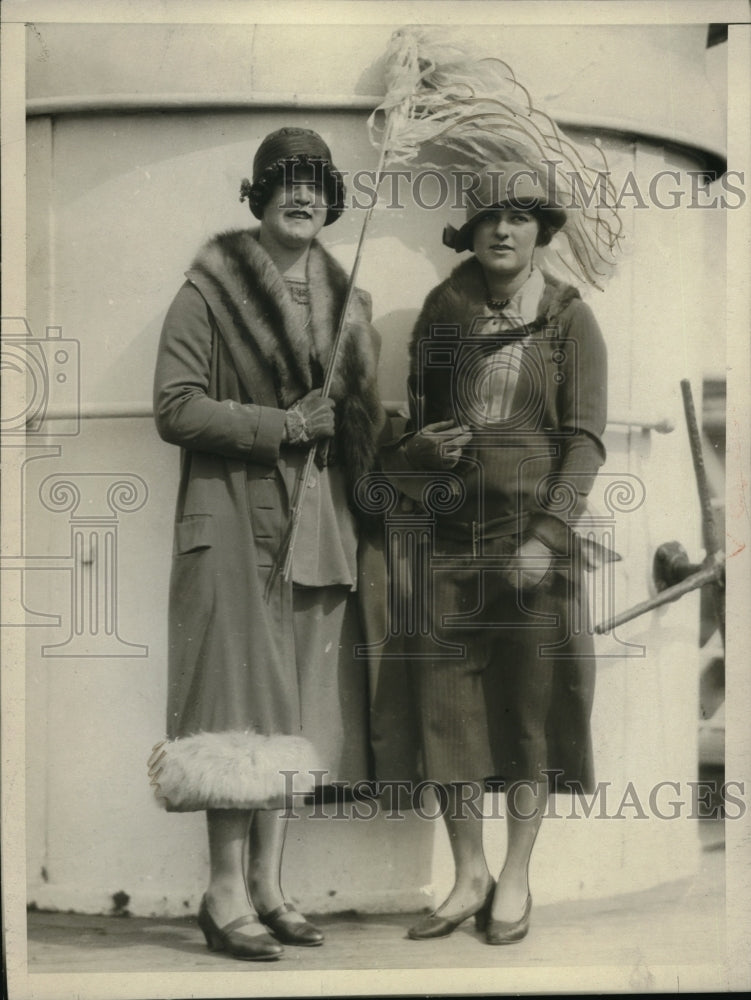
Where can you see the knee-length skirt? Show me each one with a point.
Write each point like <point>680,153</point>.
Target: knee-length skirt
<point>496,686</point>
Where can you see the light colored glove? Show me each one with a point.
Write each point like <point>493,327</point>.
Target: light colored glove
<point>309,419</point>
<point>437,446</point>
<point>536,558</point>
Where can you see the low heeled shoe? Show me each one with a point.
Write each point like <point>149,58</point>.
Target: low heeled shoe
<point>435,925</point>
<point>291,933</point>
<point>258,948</point>
<point>509,931</point>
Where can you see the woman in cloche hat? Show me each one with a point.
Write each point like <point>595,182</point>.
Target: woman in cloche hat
<point>508,398</point>
<point>263,686</point>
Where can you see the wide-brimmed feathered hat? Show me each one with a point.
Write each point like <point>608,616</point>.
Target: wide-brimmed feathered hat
<point>512,185</point>
<point>275,162</point>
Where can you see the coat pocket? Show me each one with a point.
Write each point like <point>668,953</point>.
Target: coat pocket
<point>194,532</point>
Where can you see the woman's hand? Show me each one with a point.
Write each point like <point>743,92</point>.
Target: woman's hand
<point>310,418</point>
<point>437,446</point>
<point>535,558</point>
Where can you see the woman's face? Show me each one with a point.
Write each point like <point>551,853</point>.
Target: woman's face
<point>505,241</point>
<point>295,212</point>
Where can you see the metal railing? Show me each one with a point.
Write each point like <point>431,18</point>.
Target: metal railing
<point>394,408</point>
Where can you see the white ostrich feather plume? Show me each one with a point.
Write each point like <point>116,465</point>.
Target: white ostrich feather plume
<point>442,94</point>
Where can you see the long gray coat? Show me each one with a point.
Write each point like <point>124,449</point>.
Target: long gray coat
<point>232,357</point>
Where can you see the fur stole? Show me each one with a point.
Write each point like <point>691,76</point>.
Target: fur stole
<point>234,268</point>
<point>462,297</point>
<point>232,770</point>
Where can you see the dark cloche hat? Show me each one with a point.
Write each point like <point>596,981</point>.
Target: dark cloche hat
<point>513,185</point>
<point>292,146</point>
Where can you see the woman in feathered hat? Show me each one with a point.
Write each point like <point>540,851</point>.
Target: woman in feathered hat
<point>508,397</point>
<point>263,687</point>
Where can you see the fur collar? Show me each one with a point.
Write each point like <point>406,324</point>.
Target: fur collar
<point>462,296</point>
<point>257,317</point>
<point>252,289</point>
